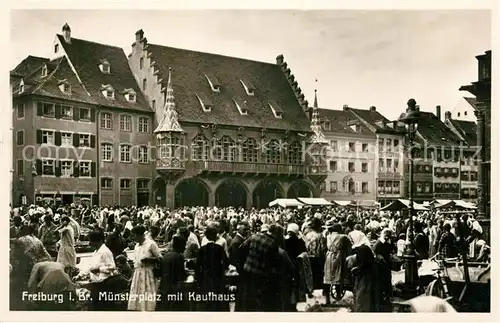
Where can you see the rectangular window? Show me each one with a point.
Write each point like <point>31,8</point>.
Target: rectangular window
<point>388,145</point>
<point>20,167</point>
<point>106,183</point>
<point>56,48</point>
<point>66,168</point>
<point>125,123</point>
<point>389,165</point>
<point>110,94</point>
<point>364,167</point>
<point>364,147</point>
<point>48,110</point>
<point>141,62</point>
<point>142,184</point>
<point>396,187</point>
<point>66,139</point>
<point>333,186</point>
<point>396,145</point>
<point>84,140</point>
<point>381,167</point>
<point>333,165</point>
<point>48,137</point>
<point>107,152</point>
<point>358,128</point>
<point>106,120</point>
<point>396,165</point>
<point>364,187</point>
<point>143,124</point>
<point>143,154</point>
<point>48,167</point>
<point>153,105</point>
<point>125,154</point>
<point>85,169</point>
<point>352,168</point>
<point>20,111</point>
<point>334,145</point>
<point>352,147</point>
<point>20,137</point>
<point>381,187</point>
<point>125,183</point>
<point>144,84</point>
<point>66,112</point>
<point>85,114</point>
<point>381,145</point>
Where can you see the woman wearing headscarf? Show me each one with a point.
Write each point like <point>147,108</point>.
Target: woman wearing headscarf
<point>316,249</point>
<point>365,272</point>
<point>339,247</point>
<point>144,284</point>
<point>66,254</point>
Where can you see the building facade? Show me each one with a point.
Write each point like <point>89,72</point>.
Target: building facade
<point>230,131</point>
<point>350,158</point>
<point>79,120</point>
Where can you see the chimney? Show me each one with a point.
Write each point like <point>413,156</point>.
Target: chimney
<point>373,108</point>
<point>139,35</point>
<point>66,31</point>
<point>280,59</point>
<point>345,107</point>
<point>438,111</point>
<point>447,115</point>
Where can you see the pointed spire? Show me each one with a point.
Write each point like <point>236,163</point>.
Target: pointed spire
<point>318,136</point>
<point>169,122</point>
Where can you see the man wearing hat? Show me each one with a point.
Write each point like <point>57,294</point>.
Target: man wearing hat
<point>240,236</point>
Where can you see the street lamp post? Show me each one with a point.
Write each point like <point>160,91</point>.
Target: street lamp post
<point>410,119</point>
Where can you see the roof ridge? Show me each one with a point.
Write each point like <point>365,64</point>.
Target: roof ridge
<point>214,54</point>
<point>93,42</point>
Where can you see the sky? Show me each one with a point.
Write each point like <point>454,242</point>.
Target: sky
<point>359,58</point>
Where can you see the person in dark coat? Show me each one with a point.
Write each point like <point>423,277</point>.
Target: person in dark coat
<point>173,275</point>
<point>447,243</point>
<point>116,242</point>
<point>421,242</point>
<point>210,269</point>
<point>240,236</point>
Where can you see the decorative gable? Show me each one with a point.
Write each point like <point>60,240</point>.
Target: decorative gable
<point>241,105</point>
<point>276,109</point>
<point>205,102</point>
<point>248,86</point>
<point>105,67</point>
<point>64,86</point>
<point>108,91</point>
<point>213,82</point>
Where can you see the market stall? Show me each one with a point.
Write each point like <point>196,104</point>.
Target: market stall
<point>285,203</point>
<point>402,204</point>
<point>314,201</point>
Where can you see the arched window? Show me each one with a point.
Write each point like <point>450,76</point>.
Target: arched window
<point>226,149</point>
<point>295,153</point>
<point>201,148</point>
<point>169,146</point>
<point>273,152</point>
<point>249,150</point>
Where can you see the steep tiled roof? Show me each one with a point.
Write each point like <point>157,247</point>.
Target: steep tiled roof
<point>471,101</point>
<point>86,57</point>
<point>29,65</point>
<point>340,121</point>
<point>271,85</point>
<point>376,120</point>
<point>434,131</point>
<point>467,130</point>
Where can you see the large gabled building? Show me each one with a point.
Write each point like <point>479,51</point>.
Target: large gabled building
<point>230,131</point>
<point>80,122</point>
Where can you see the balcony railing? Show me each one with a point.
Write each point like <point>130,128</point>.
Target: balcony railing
<point>249,168</point>
<point>170,164</point>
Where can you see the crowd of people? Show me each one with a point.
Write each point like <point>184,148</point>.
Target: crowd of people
<point>191,258</point>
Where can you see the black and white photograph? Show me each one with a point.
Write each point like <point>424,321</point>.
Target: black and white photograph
<point>326,160</point>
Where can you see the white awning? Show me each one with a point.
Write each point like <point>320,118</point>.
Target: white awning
<point>343,203</point>
<point>463,204</point>
<point>313,201</point>
<point>285,203</point>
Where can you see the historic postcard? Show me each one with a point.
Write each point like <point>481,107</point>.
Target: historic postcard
<point>328,160</point>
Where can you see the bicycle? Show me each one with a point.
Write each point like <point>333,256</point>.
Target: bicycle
<point>439,286</point>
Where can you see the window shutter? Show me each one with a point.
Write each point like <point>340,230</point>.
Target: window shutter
<point>92,141</point>
<point>369,166</point>
<point>92,169</point>
<point>357,184</point>
<point>58,138</point>
<point>76,139</point>
<point>92,115</point>
<point>76,168</point>
<point>347,146</point>
<point>39,108</point>
<point>76,113</point>
<point>58,111</point>
<point>39,136</point>
<point>58,168</point>
<point>38,166</point>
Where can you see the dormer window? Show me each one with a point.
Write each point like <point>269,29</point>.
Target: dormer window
<point>241,105</point>
<point>213,82</point>
<point>56,48</point>
<point>353,127</point>
<point>327,125</point>
<point>105,67</point>
<point>21,86</point>
<point>130,95</point>
<point>44,70</point>
<point>205,102</point>
<point>249,88</point>
<point>64,86</point>
<point>277,111</point>
<point>108,91</point>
